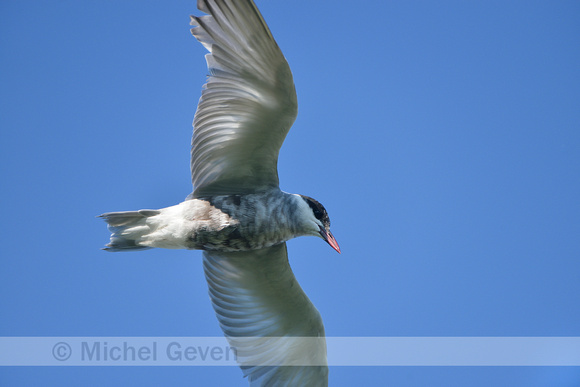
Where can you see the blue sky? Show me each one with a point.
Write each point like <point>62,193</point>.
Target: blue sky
<point>442,137</point>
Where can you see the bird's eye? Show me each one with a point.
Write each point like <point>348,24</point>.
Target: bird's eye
<point>318,214</point>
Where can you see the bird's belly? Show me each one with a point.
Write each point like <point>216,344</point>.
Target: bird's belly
<point>236,222</point>
<point>234,238</point>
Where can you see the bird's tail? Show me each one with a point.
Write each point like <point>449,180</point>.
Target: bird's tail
<point>127,229</point>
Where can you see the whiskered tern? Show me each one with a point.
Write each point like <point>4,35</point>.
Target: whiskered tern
<point>237,213</point>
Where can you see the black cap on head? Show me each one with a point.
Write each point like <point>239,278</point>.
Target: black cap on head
<point>318,210</point>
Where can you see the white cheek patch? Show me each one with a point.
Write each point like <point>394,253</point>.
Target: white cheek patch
<point>305,214</point>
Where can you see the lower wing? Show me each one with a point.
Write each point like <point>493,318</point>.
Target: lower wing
<point>264,313</point>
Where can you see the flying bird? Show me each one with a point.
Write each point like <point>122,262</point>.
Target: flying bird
<point>237,213</point>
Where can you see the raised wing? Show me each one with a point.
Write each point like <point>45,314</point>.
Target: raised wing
<point>267,317</point>
<point>247,105</point>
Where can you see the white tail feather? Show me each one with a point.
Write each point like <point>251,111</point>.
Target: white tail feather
<point>128,228</point>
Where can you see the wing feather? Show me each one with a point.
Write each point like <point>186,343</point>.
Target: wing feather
<point>247,105</point>
<point>266,315</point>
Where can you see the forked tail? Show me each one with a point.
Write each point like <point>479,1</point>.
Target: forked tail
<point>127,229</point>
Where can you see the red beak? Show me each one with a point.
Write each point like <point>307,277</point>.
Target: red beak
<point>329,238</point>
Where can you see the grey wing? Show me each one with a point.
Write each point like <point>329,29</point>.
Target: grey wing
<point>267,317</point>
<point>247,105</point>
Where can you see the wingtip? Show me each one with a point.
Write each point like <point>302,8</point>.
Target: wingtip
<point>193,20</point>
<point>202,6</point>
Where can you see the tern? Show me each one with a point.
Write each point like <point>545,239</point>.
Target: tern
<point>237,213</point>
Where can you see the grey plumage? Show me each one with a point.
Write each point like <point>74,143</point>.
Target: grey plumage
<point>247,105</point>
<point>247,285</point>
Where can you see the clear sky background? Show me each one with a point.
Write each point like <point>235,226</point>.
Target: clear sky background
<point>443,137</point>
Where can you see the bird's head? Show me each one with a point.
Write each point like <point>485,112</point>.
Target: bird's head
<point>316,220</point>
